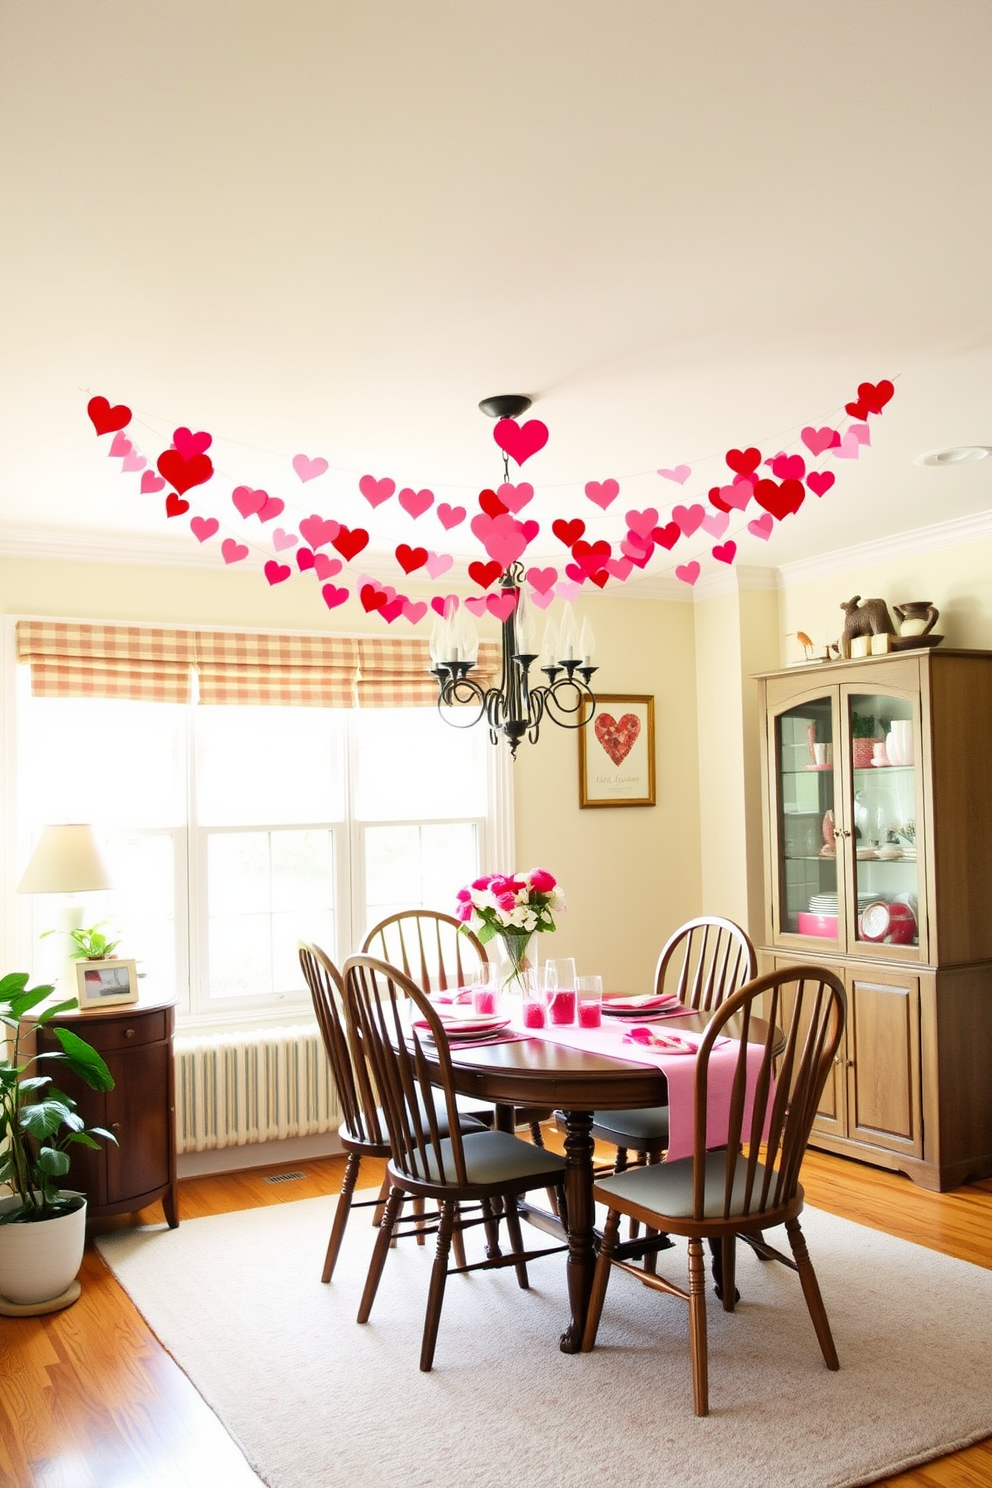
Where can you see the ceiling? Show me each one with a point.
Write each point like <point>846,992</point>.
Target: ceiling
<point>332,226</point>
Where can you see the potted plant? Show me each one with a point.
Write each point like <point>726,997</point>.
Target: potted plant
<point>89,944</point>
<point>864,732</point>
<point>42,1225</point>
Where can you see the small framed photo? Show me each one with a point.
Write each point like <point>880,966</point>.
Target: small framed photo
<point>106,983</point>
<point>616,753</point>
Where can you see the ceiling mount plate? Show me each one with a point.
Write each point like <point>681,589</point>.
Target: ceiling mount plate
<point>508,405</point>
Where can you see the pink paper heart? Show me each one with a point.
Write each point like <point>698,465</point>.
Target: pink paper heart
<point>849,447</point>
<point>502,605</point>
<point>542,600</point>
<point>637,549</point>
<point>333,597</point>
<point>416,502</point>
<point>716,524</point>
<point>818,440</point>
<point>820,481</point>
<point>444,605</point>
<point>543,579</point>
<point>688,572</point>
<point>376,491</point>
<point>271,507</point>
<point>529,530</point>
<point>438,563</point>
<point>305,560</point>
<point>150,483</point>
<point>739,494</point>
<point>861,433</point>
<point>787,467</point>
<point>576,573</point>
<point>248,501</point>
<point>450,516</point>
<point>190,445</point>
<point>133,462</point>
<point>393,608</point>
<point>688,519</point>
<point>308,469</point>
<point>502,537</point>
<point>680,474</point>
<point>566,591</point>
<point>515,498</point>
<point>619,568</point>
<point>365,582</point>
<point>725,553</point>
<point>476,604</point>
<point>282,540</point>
<point>762,526</point>
<point>642,523</point>
<point>325,566</point>
<point>120,446</point>
<point>520,441</point>
<point>231,551</point>
<point>602,493</point>
<point>277,573</point>
<point>318,530</point>
<point>204,527</point>
<point>415,610</point>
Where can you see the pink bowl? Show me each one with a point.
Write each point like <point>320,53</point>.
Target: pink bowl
<point>814,924</point>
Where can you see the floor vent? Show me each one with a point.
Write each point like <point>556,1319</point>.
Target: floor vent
<point>284,1177</point>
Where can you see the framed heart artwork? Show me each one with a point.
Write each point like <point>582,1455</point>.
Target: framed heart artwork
<point>616,752</point>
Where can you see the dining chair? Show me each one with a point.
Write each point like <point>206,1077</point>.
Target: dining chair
<point>702,963</point>
<point>363,1133</point>
<point>789,1025</point>
<point>490,1169</point>
<point>434,950</point>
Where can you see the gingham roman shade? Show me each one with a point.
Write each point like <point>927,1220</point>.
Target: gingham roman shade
<point>237,668</point>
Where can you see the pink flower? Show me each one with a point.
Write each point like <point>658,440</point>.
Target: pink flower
<point>506,902</point>
<point>482,883</point>
<point>464,911</point>
<point>542,881</point>
<point>465,895</point>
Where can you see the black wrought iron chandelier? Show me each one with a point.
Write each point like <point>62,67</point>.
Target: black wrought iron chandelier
<point>515,708</point>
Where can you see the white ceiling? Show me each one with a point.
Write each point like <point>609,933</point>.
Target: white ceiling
<point>332,226</point>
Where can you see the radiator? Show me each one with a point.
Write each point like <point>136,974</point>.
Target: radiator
<point>239,1088</point>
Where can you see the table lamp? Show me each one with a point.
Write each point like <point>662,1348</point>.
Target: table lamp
<point>66,861</point>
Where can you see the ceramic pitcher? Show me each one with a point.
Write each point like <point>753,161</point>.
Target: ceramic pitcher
<point>916,617</point>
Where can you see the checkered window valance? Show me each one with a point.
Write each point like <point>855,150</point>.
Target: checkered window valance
<point>236,668</point>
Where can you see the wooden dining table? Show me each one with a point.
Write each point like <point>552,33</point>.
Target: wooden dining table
<point>536,1073</point>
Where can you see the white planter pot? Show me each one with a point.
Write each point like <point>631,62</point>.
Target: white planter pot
<point>38,1261</point>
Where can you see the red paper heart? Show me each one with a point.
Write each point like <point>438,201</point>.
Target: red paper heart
<point>491,504</point>
<point>591,557</point>
<point>873,396</point>
<point>857,410</point>
<point>175,506</point>
<point>744,462</point>
<point>183,474</point>
<point>105,419</point>
<point>717,500</point>
<point>350,542</point>
<point>410,559</point>
<point>600,578</point>
<point>668,535</point>
<point>393,607</point>
<point>189,444</point>
<point>520,441</point>
<point>725,553</point>
<point>788,467</point>
<point>617,736</point>
<point>780,500</point>
<point>304,559</point>
<point>203,527</point>
<point>333,597</point>
<point>484,574</point>
<point>568,532</point>
<point>150,483</point>
<point>820,481</point>
<point>277,573</point>
<point>372,598</point>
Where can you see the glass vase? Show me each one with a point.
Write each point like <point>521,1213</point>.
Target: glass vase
<point>515,944</point>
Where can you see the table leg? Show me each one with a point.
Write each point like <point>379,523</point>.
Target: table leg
<point>581,1213</point>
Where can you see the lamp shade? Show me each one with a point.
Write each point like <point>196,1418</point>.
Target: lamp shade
<point>66,861</point>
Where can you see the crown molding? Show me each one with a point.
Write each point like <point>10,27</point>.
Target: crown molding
<point>953,534</point>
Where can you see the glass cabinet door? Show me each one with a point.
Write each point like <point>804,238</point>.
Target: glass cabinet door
<point>807,885</point>
<point>883,819</point>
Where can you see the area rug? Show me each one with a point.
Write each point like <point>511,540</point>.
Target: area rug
<point>314,1399</point>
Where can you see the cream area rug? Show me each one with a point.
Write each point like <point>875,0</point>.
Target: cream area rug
<point>314,1399</point>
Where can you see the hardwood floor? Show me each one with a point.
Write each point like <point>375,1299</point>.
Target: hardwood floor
<point>90,1399</point>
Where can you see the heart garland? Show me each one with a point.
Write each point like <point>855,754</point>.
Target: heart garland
<point>186,465</point>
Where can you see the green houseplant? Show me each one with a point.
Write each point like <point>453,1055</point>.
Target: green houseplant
<point>89,944</point>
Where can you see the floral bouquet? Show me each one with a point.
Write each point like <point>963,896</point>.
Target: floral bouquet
<point>513,907</point>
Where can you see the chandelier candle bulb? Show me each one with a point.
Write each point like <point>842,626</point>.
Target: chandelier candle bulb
<point>568,640</point>
<point>587,643</point>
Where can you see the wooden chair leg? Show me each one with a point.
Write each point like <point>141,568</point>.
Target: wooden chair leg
<point>418,1209</point>
<point>439,1275</point>
<point>379,1250</point>
<point>536,1134</point>
<point>516,1241</point>
<point>600,1280</point>
<point>377,1212</point>
<point>697,1328</point>
<point>811,1291</point>
<point>728,1271</point>
<point>491,1226</point>
<point>341,1214</point>
<point>458,1242</point>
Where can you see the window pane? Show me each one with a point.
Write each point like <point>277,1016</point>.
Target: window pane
<point>265,892</point>
<point>143,911</point>
<point>269,765</point>
<point>412,766</point>
<point>417,867</point>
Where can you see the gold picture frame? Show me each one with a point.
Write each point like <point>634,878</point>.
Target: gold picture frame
<point>616,752</point>
<point>108,983</point>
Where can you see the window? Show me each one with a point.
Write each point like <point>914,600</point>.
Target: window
<point>233,832</point>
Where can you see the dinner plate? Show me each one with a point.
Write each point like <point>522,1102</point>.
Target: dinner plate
<point>641,1007</point>
<point>465,1028</point>
<point>664,1043</point>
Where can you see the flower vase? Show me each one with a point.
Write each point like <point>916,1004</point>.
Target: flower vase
<point>515,943</point>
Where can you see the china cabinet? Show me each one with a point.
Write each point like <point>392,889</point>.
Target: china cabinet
<point>878,863</point>
<point>136,1042</point>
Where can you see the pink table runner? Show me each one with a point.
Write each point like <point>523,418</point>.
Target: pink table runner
<point>679,1071</point>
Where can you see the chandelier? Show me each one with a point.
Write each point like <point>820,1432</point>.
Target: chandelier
<point>516,708</point>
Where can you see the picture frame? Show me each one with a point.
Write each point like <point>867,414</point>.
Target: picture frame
<point>616,752</point>
<point>108,983</point>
